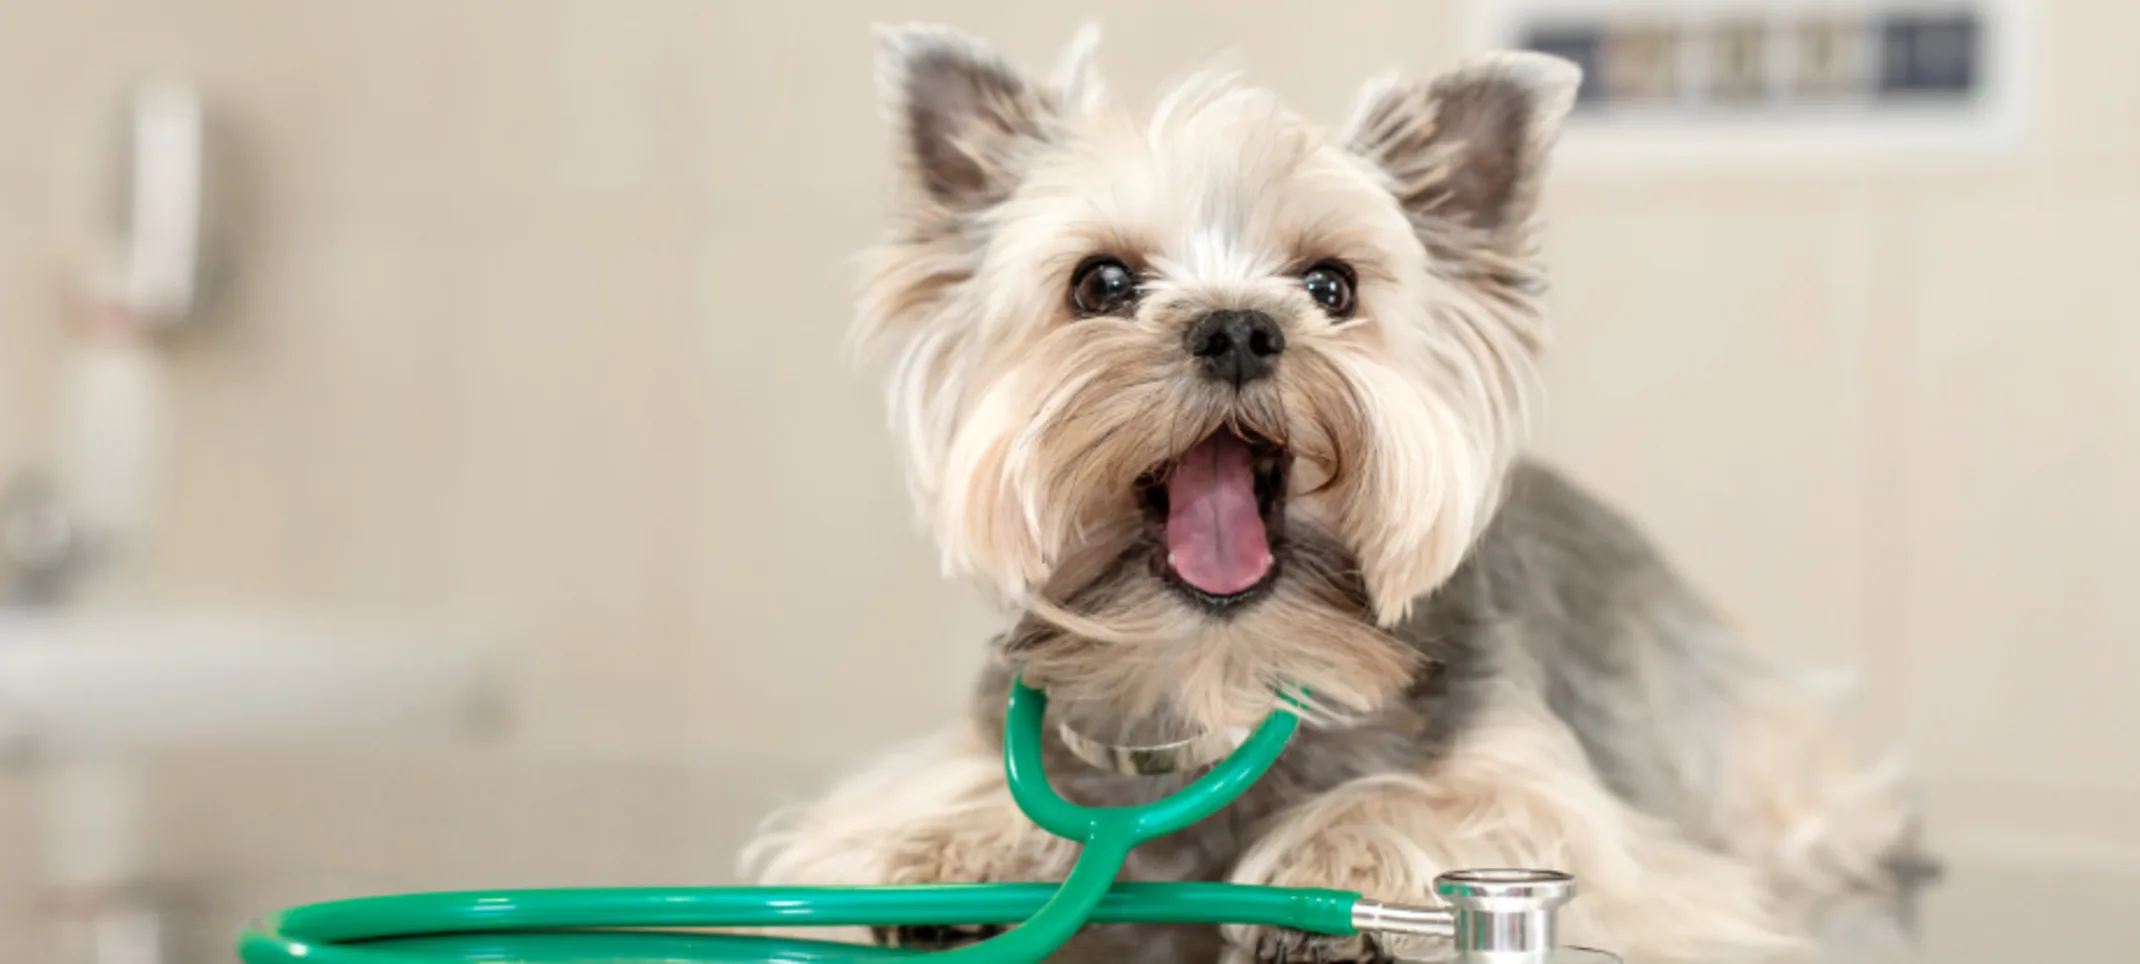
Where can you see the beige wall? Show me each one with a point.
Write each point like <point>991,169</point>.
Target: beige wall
<point>535,327</point>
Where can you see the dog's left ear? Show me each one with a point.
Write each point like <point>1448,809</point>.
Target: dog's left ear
<point>1468,147</point>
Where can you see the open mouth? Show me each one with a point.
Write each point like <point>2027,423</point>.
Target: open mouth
<point>1217,513</point>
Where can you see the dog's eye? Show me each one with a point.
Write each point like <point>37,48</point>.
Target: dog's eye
<point>1102,286</point>
<point>1330,284</point>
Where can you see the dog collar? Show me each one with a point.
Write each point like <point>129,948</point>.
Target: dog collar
<point>1193,753</point>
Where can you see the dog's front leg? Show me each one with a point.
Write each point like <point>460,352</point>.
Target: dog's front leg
<point>1515,792</point>
<point>935,813</point>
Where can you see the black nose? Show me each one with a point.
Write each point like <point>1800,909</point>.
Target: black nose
<point>1236,346</point>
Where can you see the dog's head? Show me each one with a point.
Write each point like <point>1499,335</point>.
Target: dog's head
<point>1210,386</point>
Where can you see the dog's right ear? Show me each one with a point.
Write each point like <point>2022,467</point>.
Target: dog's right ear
<point>964,117</point>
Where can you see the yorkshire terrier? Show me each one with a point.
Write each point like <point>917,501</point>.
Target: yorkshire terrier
<point>1221,403</point>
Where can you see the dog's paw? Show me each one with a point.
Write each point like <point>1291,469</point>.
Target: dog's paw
<point>1278,945</point>
<point>935,937</point>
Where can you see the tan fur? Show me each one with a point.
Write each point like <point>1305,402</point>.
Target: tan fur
<point>1144,656</point>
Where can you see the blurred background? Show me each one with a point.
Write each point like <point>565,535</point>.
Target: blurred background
<point>491,504</point>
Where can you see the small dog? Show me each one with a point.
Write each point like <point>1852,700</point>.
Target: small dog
<point>1220,403</point>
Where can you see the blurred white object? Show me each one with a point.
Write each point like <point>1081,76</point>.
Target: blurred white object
<point>112,411</point>
<point>76,684</point>
<point>83,693</point>
<point>108,476</point>
<point>165,170</point>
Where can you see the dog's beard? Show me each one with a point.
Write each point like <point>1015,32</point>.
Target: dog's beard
<point>1130,653</point>
<point>1208,567</point>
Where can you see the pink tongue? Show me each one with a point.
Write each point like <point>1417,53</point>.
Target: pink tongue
<point>1215,537</point>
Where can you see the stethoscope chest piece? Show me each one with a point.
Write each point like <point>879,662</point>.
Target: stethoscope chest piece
<point>1488,917</point>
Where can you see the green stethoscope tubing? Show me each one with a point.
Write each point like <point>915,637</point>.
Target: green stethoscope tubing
<point>573,925</point>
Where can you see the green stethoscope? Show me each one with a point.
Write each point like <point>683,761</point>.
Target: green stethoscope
<point>1498,916</point>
